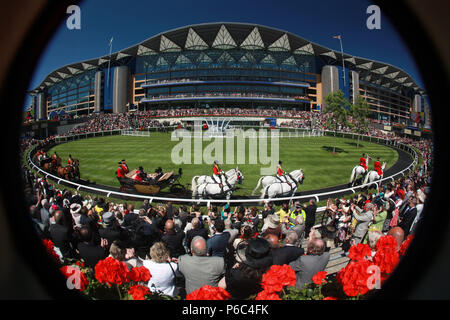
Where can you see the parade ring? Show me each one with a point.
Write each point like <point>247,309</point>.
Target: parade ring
<point>407,161</point>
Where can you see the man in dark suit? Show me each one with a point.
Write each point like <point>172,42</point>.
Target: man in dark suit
<point>62,235</point>
<point>112,231</point>
<point>310,212</point>
<point>173,240</point>
<point>217,244</point>
<point>197,230</point>
<point>289,252</point>
<point>90,252</point>
<point>408,215</point>
<point>308,265</point>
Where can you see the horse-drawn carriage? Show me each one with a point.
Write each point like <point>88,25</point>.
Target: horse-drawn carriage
<point>153,183</point>
<point>53,166</point>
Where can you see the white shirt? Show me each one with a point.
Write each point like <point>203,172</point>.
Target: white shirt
<point>162,278</point>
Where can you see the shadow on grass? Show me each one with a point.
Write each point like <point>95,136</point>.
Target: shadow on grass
<point>331,149</point>
<point>355,144</point>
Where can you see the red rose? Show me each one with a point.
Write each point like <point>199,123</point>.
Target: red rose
<point>386,256</point>
<point>208,293</point>
<point>267,295</point>
<point>319,278</point>
<point>139,274</point>
<point>329,298</point>
<point>405,245</point>
<point>77,277</point>
<point>277,277</point>
<point>111,271</point>
<point>48,244</point>
<point>353,278</point>
<point>138,292</point>
<point>359,252</point>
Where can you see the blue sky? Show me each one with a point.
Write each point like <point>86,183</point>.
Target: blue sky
<point>133,21</point>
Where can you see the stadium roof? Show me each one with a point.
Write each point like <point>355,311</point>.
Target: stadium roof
<point>229,35</point>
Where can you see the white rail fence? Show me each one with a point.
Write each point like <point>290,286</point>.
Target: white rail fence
<point>317,196</point>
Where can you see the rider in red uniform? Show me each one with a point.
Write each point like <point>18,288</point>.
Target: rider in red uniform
<point>363,162</point>
<point>280,172</point>
<point>124,167</point>
<point>120,172</point>
<point>217,172</point>
<point>377,167</point>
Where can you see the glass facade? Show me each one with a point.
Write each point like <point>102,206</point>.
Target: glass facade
<point>74,95</point>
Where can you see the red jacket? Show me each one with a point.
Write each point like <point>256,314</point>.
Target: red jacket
<point>377,167</point>
<point>216,170</point>
<point>120,173</point>
<point>362,162</point>
<point>138,176</point>
<point>280,171</point>
<point>124,168</point>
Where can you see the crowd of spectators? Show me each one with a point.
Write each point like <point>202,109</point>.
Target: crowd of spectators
<point>227,247</point>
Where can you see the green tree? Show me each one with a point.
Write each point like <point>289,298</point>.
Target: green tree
<point>360,113</point>
<point>339,107</point>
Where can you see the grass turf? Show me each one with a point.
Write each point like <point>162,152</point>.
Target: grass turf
<point>99,157</point>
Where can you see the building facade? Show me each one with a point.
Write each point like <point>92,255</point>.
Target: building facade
<point>226,65</point>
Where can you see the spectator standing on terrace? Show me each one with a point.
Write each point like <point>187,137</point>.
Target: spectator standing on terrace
<point>310,213</point>
<point>217,244</point>
<point>162,269</point>
<point>408,215</point>
<point>289,252</point>
<point>62,235</point>
<point>363,218</point>
<point>90,252</point>
<point>244,279</point>
<point>199,269</point>
<point>173,240</point>
<point>315,260</point>
<point>197,230</point>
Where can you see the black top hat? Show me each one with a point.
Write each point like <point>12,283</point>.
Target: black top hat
<point>257,254</point>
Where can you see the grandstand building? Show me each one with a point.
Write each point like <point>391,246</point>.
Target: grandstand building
<point>226,65</point>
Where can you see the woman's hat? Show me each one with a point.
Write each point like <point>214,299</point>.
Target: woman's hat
<point>75,208</point>
<point>257,253</point>
<point>272,221</point>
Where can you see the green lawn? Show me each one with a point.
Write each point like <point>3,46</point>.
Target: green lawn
<point>99,156</point>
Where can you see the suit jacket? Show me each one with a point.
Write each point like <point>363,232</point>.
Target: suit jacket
<point>91,254</point>
<point>307,266</point>
<point>217,244</point>
<point>62,238</point>
<point>200,271</point>
<point>174,242</point>
<point>407,220</point>
<point>363,220</point>
<point>286,254</point>
<point>202,232</point>
<point>310,212</point>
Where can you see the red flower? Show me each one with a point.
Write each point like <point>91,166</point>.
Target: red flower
<point>359,252</point>
<point>111,271</point>
<point>80,264</point>
<point>139,274</point>
<point>386,256</point>
<point>208,293</point>
<point>138,292</point>
<point>353,278</point>
<point>48,244</point>
<point>329,298</point>
<point>319,278</point>
<point>405,245</point>
<point>267,295</point>
<point>78,279</point>
<point>277,277</point>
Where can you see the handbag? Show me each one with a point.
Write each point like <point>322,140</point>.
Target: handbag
<point>180,283</point>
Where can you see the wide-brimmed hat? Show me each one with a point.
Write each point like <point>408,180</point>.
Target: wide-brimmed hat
<point>256,253</point>
<point>75,208</point>
<point>108,217</point>
<point>272,221</point>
